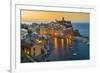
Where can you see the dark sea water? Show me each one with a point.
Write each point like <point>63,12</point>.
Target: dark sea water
<point>79,51</point>
<point>82,27</point>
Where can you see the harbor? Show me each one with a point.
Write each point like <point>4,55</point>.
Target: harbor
<point>53,41</point>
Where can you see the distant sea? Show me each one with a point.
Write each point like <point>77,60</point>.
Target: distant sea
<point>82,27</point>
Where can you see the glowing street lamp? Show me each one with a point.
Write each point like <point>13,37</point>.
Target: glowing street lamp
<point>55,33</point>
<point>39,41</point>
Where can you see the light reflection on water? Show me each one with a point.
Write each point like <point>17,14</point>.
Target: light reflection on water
<point>62,43</point>
<point>59,47</point>
<point>55,43</point>
<point>61,51</point>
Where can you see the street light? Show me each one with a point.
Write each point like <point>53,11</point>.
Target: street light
<point>39,41</point>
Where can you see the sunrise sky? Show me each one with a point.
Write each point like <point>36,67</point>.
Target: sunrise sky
<point>47,16</point>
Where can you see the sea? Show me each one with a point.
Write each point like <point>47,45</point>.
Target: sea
<point>84,28</point>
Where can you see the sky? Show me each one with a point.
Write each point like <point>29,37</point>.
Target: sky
<point>47,16</point>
